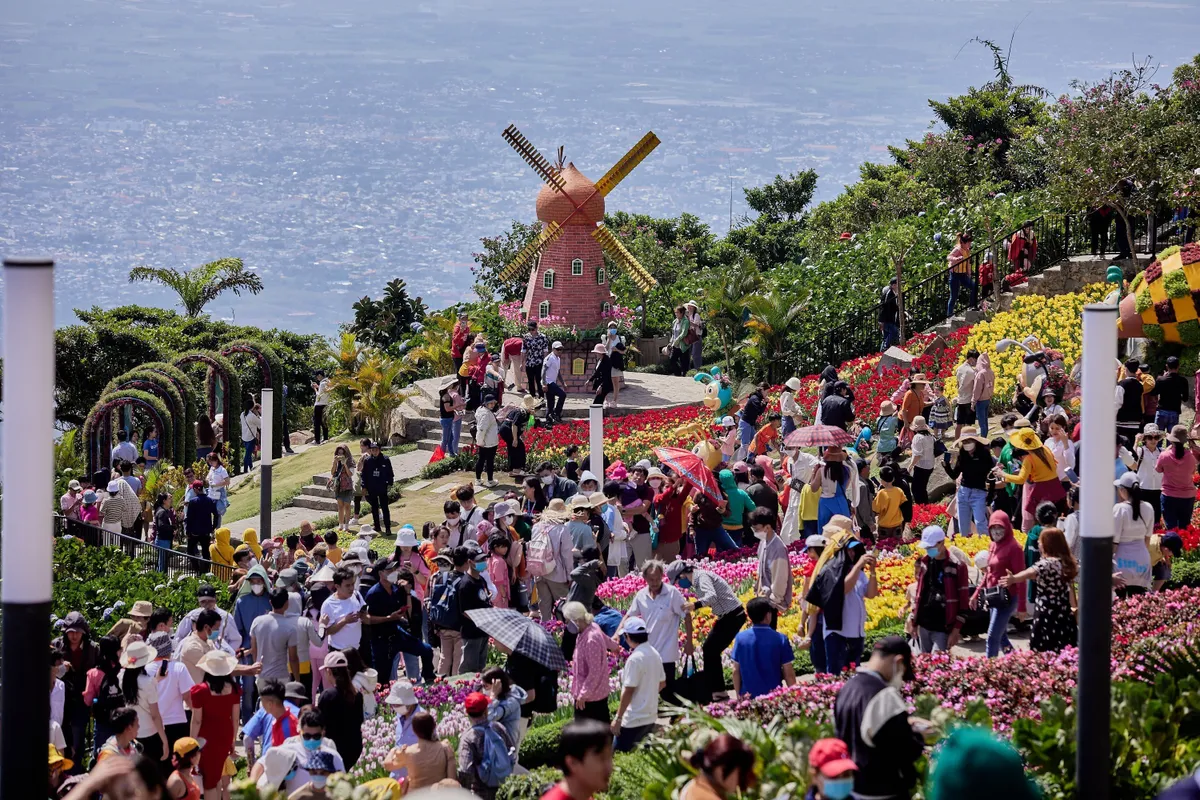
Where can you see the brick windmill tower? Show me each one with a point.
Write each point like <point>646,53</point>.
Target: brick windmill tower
<point>567,274</point>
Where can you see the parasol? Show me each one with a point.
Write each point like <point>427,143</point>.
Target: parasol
<point>691,467</point>
<point>818,436</point>
<point>520,634</point>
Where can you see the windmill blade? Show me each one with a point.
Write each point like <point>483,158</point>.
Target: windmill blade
<point>531,251</point>
<point>644,280</point>
<point>533,158</point>
<point>627,163</point>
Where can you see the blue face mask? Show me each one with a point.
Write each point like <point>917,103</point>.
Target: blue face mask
<point>837,788</point>
<point>932,552</point>
<point>318,781</point>
<point>312,744</point>
<point>214,634</point>
<point>683,583</point>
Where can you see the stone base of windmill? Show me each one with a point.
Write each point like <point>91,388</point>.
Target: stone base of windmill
<point>578,363</point>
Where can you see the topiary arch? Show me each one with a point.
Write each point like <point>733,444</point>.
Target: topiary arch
<point>97,427</point>
<point>271,369</point>
<point>175,390</point>
<point>219,369</point>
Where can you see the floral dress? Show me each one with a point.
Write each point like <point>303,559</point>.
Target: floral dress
<point>1054,627</point>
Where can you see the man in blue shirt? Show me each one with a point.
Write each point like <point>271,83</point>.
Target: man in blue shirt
<point>762,657</point>
<point>387,605</point>
<point>276,719</point>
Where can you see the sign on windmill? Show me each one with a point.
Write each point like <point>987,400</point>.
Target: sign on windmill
<point>567,275</point>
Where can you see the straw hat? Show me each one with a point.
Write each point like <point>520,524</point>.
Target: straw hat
<point>838,523</point>
<point>367,531</point>
<point>973,435</point>
<point>887,408</point>
<point>1178,434</point>
<point>556,511</point>
<point>323,575</point>
<point>529,403</point>
<point>277,763</point>
<point>598,499</point>
<point>137,654</point>
<point>1025,439</point>
<point>217,663</point>
<point>1022,422</point>
<point>919,423</point>
<point>1151,430</point>
<point>792,383</point>
<point>142,608</point>
<point>580,502</point>
<point>919,378</point>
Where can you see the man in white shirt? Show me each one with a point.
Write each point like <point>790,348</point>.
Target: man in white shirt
<point>228,639</point>
<point>124,451</point>
<point>321,389</point>
<point>964,403</point>
<point>251,426</point>
<point>555,394</point>
<point>662,607</point>
<point>311,739</point>
<point>341,613</point>
<point>642,678</point>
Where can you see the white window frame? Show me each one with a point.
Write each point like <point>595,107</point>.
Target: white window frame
<point>548,279</point>
<point>577,267</point>
<point>544,309</point>
<point>600,276</point>
<point>605,308</point>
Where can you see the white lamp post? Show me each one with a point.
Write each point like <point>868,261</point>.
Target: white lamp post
<point>28,536</point>
<point>266,460</point>
<point>596,441</point>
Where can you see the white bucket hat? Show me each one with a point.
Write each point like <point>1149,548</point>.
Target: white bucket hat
<point>401,694</point>
<point>277,763</point>
<point>137,654</point>
<point>217,662</point>
<point>407,537</point>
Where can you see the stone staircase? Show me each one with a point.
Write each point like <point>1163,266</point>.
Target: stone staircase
<point>316,496</point>
<point>1069,275</point>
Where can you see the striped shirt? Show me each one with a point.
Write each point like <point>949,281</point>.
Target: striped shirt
<point>959,259</point>
<point>714,592</point>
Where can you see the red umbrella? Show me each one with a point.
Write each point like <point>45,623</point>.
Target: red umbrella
<point>818,436</point>
<point>692,469</point>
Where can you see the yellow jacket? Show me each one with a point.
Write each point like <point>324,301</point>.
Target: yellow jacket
<point>220,551</point>
<point>1034,470</point>
<point>250,539</point>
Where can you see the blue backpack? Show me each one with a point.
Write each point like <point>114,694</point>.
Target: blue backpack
<point>443,603</point>
<point>496,758</point>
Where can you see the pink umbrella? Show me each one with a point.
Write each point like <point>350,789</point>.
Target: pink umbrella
<point>818,436</point>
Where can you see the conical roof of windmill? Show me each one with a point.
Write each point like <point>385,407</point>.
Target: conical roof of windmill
<point>554,206</point>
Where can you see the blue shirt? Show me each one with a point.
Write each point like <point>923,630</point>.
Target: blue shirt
<point>854,611</point>
<point>150,449</point>
<point>609,619</point>
<point>259,726</point>
<point>761,655</point>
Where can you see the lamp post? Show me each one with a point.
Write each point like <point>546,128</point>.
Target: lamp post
<point>596,441</point>
<point>27,543</point>
<point>1092,763</point>
<point>266,461</point>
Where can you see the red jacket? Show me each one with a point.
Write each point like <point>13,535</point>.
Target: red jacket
<point>670,514</point>
<point>1004,556</point>
<point>458,339</point>
<point>957,591</point>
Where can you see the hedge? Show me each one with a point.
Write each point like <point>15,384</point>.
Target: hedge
<point>183,402</point>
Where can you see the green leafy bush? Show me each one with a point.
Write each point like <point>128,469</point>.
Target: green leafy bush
<point>91,579</point>
<point>1176,284</point>
<point>1185,573</point>
<point>530,786</point>
<point>449,464</point>
<point>539,748</point>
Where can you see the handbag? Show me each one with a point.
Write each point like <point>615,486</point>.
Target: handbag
<point>997,597</point>
<point>690,684</point>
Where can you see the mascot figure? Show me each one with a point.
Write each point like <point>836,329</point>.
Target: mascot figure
<point>718,393</point>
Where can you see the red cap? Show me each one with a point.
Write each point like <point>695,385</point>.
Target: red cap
<point>197,486</point>
<point>846,236</point>
<point>831,756</point>
<point>476,704</point>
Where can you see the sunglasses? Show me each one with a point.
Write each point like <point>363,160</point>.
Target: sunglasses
<point>313,737</point>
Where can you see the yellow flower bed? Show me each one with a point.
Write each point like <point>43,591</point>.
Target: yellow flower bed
<point>1056,321</point>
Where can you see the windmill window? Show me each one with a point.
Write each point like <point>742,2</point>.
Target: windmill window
<point>544,309</point>
<point>605,308</point>
<point>600,275</point>
<point>548,279</point>
<point>577,266</point>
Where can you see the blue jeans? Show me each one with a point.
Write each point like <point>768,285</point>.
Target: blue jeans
<point>841,652</point>
<point>746,435</point>
<point>981,416</point>
<point>1177,511</point>
<point>997,633</point>
<point>816,648</point>
<point>718,536</point>
<point>248,454</point>
<point>164,552</point>
<point>891,335</point>
<point>447,434</point>
<point>972,505</point>
<point>1166,420</point>
<point>788,426</point>
<point>958,282</point>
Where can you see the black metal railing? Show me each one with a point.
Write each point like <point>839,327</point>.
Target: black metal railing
<point>150,556</point>
<point>927,302</point>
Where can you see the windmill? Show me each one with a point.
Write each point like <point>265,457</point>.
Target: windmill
<point>567,277</point>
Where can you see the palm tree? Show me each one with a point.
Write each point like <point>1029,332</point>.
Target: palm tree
<point>434,354</point>
<point>772,317</point>
<point>724,304</point>
<point>375,393</point>
<point>200,286</point>
<point>348,357</point>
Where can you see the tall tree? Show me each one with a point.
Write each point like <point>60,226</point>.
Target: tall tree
<point>200,286</point>
<point>497,252</point>
<point>386,322</point>
<point>772,316</point>
<point>783,198</point>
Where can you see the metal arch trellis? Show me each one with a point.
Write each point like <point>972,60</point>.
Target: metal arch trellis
<point>94,431</point>
<point>271,368</point>
<point>219,369</point>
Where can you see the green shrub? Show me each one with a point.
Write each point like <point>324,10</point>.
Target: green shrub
<point>448,465</point>
<point>1185,573</point>
<point>1189,332</point>
<point>530,786</point>
<point>1153,332</point>
<point>539,748</point>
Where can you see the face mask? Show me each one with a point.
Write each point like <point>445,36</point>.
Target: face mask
<point>213,635</point>
<point>759,533</point>
<point>312,744</point>
<point>683,583</point>
<point>257,588</point>
<point>392,576</point>
<point>656,484</point>
<point>932,552</point>
<point>837,789</point>
<point>547,480</point>
<point>318,781</point>
<point>480,566</point>
<point>507,521</point>
<point>60,670</point>
<point>290,775</point>
<point>453,523</point>
<point>969,447</point>
<point>996,533</point>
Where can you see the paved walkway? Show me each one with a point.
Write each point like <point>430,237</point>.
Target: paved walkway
<point>406,466</point>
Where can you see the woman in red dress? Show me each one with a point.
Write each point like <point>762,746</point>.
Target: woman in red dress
<point>216,710</point>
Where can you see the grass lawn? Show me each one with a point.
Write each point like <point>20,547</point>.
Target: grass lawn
<point>288,475</point>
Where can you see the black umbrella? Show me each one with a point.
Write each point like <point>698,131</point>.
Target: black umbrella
<point>520,634</point>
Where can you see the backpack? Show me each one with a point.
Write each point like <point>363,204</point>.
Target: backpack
<point>539,554</point>
<point>495,758</point>
<point>443,604</point>
<point>109,697</point>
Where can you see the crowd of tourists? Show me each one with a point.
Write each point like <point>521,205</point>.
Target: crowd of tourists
<point>319,628</point>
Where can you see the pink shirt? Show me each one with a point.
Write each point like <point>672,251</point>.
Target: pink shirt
<point>589,670</point>
<point>498,572</point>
<point>416,564</point>
<point>1177,473</point>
